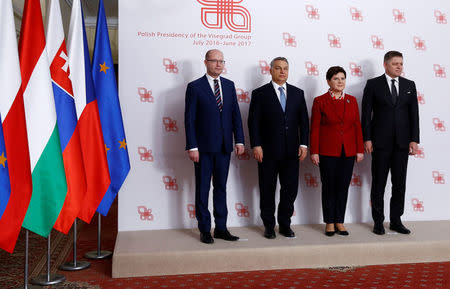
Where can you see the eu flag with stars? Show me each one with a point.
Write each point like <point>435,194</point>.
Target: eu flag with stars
<point>110,113</point>
<point>5,185</point>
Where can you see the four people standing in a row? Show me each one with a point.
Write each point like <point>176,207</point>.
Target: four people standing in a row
<point>279,135</point>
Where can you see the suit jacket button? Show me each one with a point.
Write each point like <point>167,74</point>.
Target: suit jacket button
<point>287,127</point>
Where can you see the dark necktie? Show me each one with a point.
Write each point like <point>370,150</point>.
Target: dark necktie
<point>394,91</point>
<point>217,95</point>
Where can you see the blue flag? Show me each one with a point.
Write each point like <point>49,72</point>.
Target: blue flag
<point>110,113</point>
<point>5,185</point>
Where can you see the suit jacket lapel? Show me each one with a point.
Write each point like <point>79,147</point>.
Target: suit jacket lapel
<point>401,89</point>
<point>275,98</point>
<point>207,88</point>
<point>387,93</point>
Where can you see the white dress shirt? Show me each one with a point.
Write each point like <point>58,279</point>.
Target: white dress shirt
<point>389,80</point>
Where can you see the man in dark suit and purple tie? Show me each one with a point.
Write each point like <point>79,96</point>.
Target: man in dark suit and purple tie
<point>279,129</point>
<point>390,125</point>
<point>212,118</point>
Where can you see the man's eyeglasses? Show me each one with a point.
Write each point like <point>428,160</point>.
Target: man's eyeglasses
<point>216,61</point>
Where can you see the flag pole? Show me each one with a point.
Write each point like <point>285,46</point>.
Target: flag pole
<point>99,254</point>
<point>75,265</point>
<point>49,279</point>
<point>25,279</point>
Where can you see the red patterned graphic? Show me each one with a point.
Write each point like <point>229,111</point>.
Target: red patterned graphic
<point>241,210</point>
<point>171,66</point>
<point>420,152</point>
<point>440,17</point>
<point>242,96</point>
<point>438,124</point>
<point>265,68</point>
<point>245,156</point>
<point>420,97</point>
<point>335,42</point>
<point>191,210</point>
<point>145,214</point>
<point>377,42</point>
<point>145,154</point>
<point>439,71</point>
<point>311,69</point>
<point>145,95</point>
<point>289,40</point>
<point>170,124</point>
<point>356,14</point>
<point>417,205</point>
<point>399,16</point>
<point>219,12</point>
<point>355,69</point>
<point>419,44</point>
<point>170,183</point>
<point>438,178</point>
<point>311,181</point>
<point>356,180</point>
<point>313,13</point>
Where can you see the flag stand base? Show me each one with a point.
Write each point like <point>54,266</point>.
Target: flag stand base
<point>75,265</point>
<point>99,254</point>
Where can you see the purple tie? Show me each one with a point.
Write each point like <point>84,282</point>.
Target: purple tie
<point>217,95</point>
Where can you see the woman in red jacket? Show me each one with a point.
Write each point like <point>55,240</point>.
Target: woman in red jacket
<point>336,141</point>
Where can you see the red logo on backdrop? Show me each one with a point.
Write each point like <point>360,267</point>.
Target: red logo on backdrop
<point>355,69</point>
<point>399,16</point>
<point>356,180</point>
<point>377,42</point>
<point>440,17</point>
<point>145,95</point>
<point>170,124</point>
<point>439,71</point>
<point>289,40</point>
<point>311,69</point>
<point>191,210</point>
<point>241,210</point>
<point>438,124</point>
<point>419,44</point>
<point>356,14</point>
<point>420,98</point>
<point>144,213</point>
<point>245,156</point>
<point>170,183</point>
<point>219,12</point>
<point>145,154</point>
<point>311,181</point>
<point>242,96</point>
<point>335,42</point>
<point>420,153</point>
<point>171,66</point>
<point>417,205</point>
<point>313,13</point>
<point>265,68</point>
<point>438,178</point>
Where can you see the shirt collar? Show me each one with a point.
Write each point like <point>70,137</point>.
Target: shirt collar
<point>276,86</point>
<point>210,78</point>
<point>390,78</point>
<point>333,96</point>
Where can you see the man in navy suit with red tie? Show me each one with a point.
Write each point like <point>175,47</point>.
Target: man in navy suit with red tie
<point>212,118</point>
<point>390,125</point>
<point>279,129</point>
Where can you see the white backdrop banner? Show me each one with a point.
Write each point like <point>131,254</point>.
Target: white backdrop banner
<point>162,46</point>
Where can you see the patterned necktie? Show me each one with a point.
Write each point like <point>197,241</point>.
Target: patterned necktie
<point>282,98</point>
<point>394,91</point>
<point>217,95</point>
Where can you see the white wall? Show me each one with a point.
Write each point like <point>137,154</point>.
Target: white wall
<point>152,93</point>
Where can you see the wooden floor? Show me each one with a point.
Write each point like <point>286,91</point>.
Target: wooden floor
<point>170,252</point>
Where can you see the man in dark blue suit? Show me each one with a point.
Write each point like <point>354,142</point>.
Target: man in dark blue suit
<point>390,125</point>
<point>279,130</point>
<point>212,117</point>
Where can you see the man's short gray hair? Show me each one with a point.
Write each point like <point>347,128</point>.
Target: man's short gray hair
<point>278,58</point>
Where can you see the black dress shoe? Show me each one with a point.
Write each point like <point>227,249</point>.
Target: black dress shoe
<point>399,228</point>
<point>378,229</point>
<point>269,233</point>
<point>330,233</point>
<point>287,232</point>
<point>206,238</point>
<point>342,233</point>
<point>225,235</point>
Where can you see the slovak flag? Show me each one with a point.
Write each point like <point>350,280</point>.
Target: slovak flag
<point>92,144</point>
<point>69,135</point>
